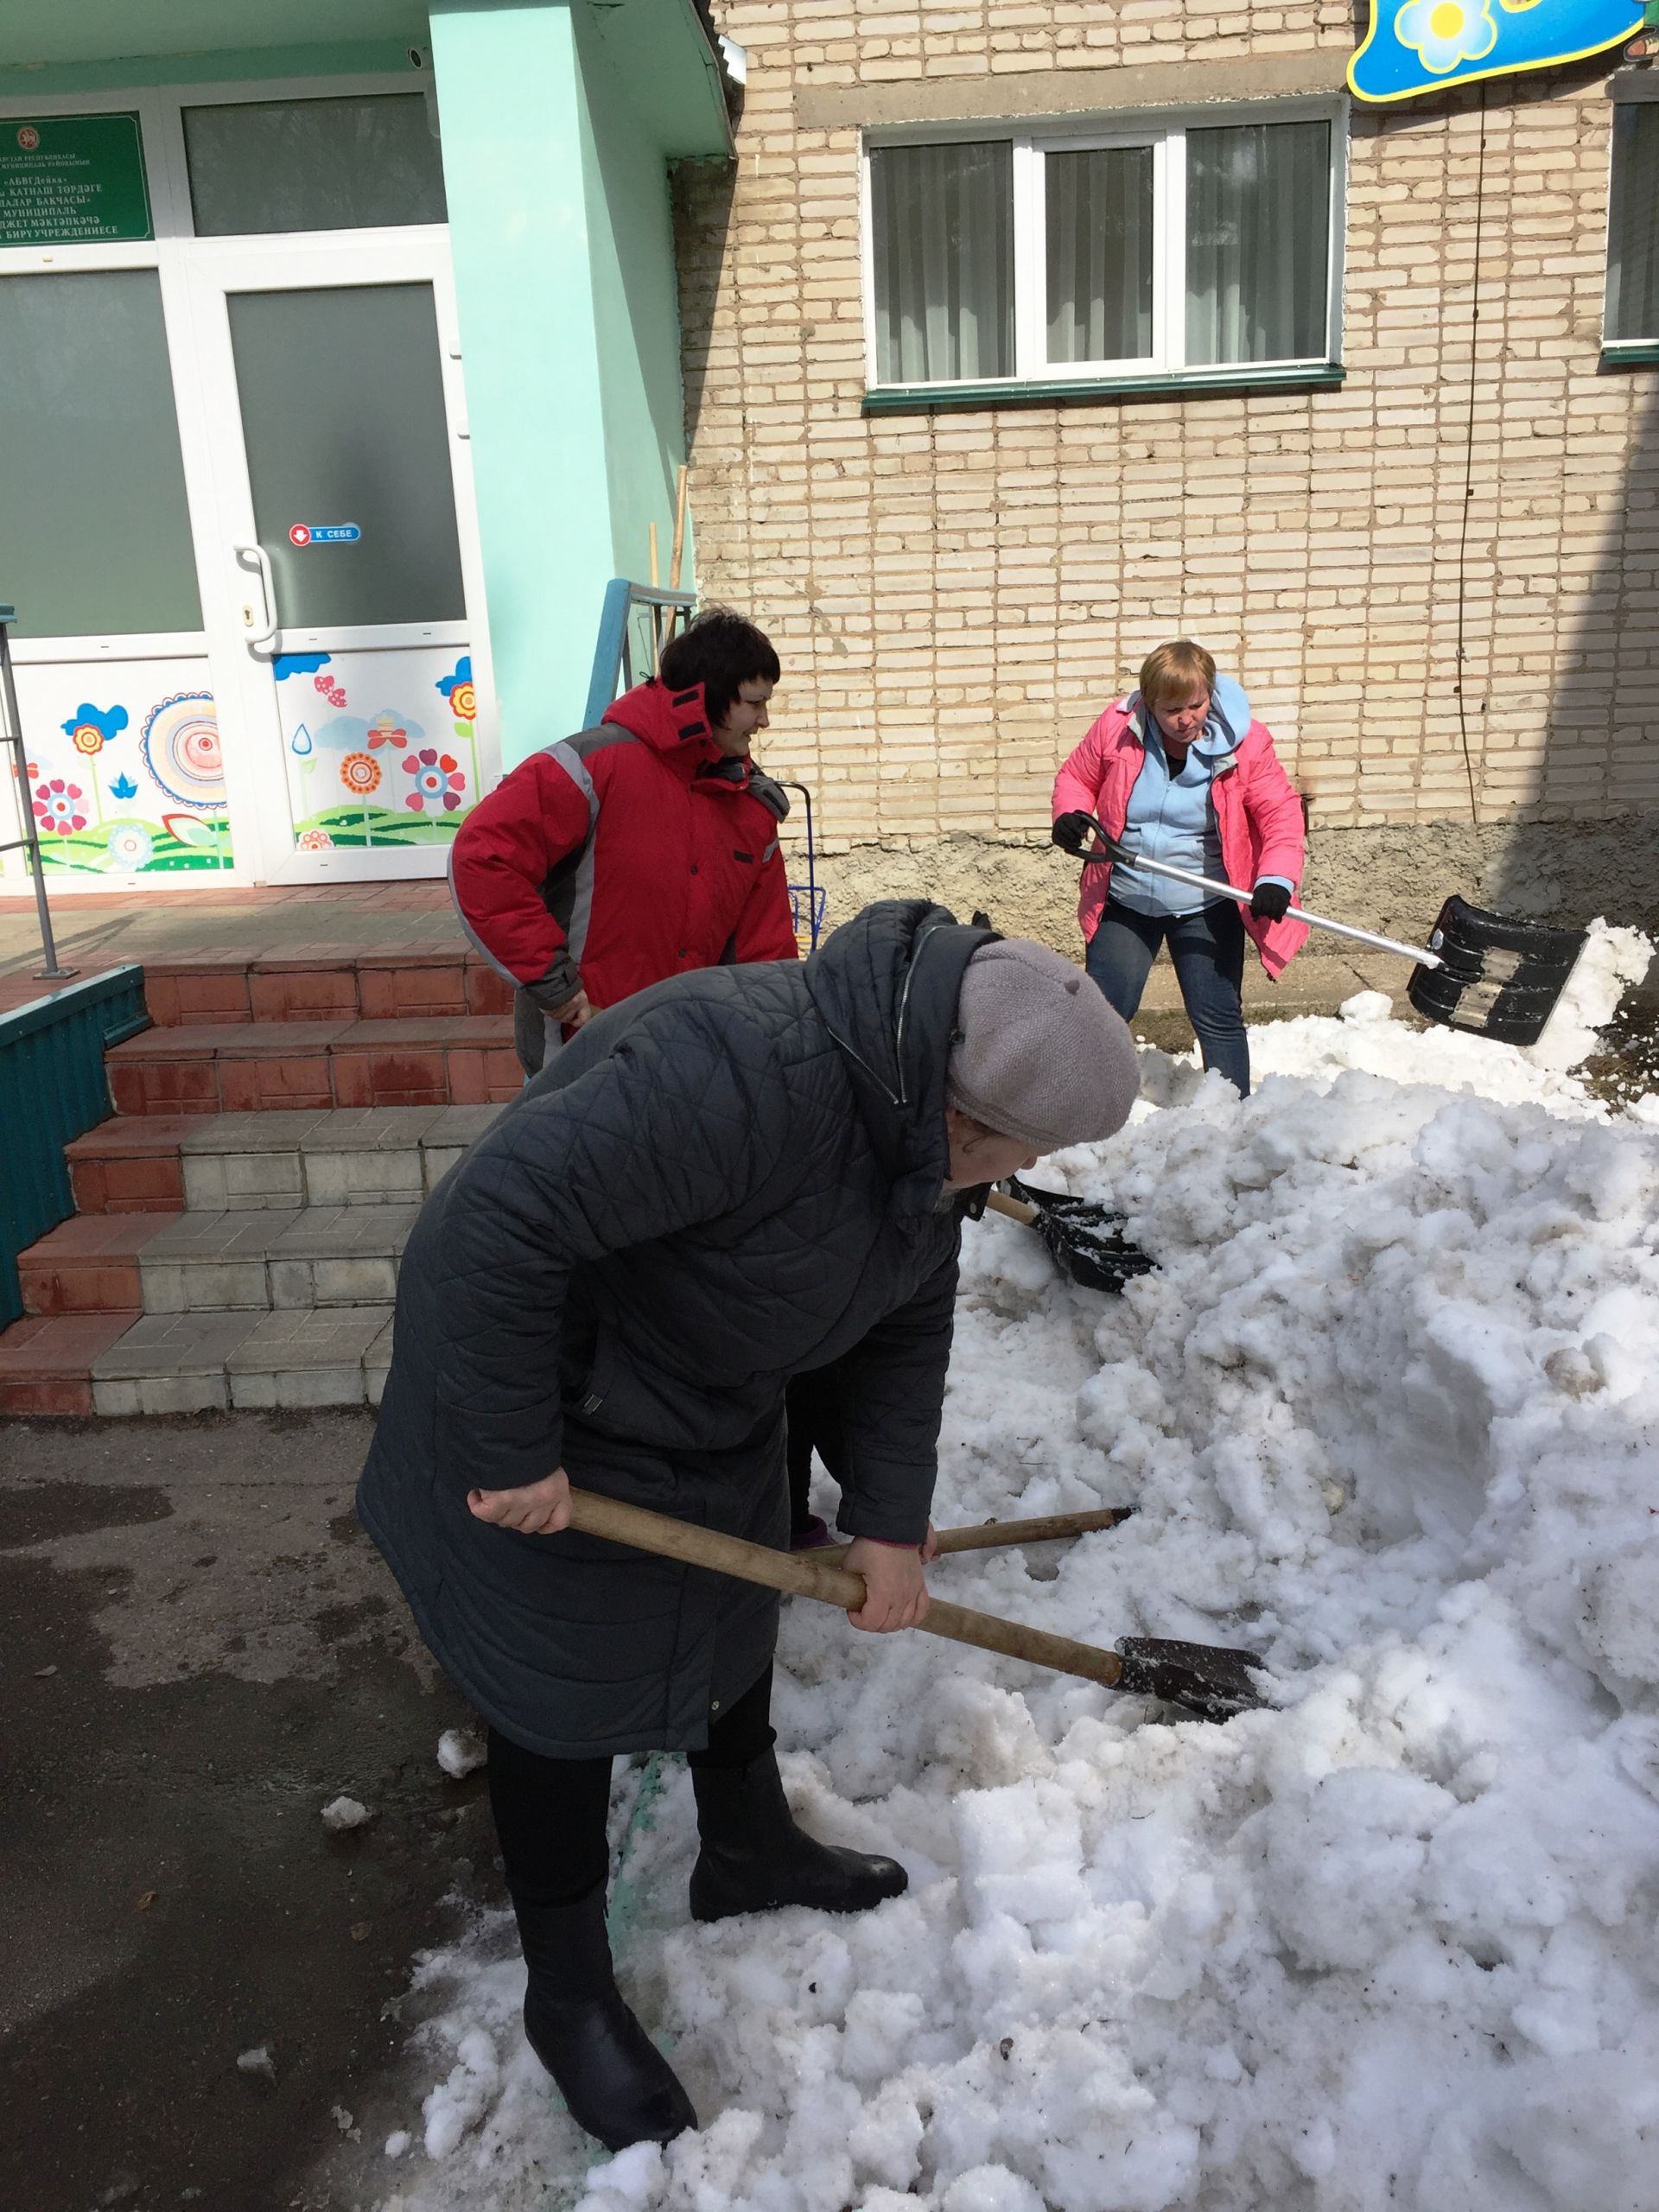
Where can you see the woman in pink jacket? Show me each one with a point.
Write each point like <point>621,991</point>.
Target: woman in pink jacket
<point>1181,773</point>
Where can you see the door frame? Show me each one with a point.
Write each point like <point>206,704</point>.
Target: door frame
<point>263,851</point>
<point>312,260</point>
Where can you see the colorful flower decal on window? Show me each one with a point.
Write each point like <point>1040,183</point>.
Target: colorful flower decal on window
<point>123,787</point>
<point>458,688</point>
<point>57,807</point>
<point>1443,33</point>
<point>438,781</point>
<point>180,743</point>
<point>131,846</point>
<point>90,729</point>
<point>315,841</point>
<point>360,773</point>
<point>387,729</point>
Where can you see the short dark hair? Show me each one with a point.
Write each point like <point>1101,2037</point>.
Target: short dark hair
<point>722,651</point>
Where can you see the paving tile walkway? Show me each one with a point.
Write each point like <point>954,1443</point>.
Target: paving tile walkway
<point>101,930</point>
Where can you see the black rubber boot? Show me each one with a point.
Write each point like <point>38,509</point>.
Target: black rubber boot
<point>754,1858</point>
<point>615,2081</point>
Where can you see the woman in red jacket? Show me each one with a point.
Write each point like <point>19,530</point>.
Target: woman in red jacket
<point>1181,773</point>
<point>638,850</point>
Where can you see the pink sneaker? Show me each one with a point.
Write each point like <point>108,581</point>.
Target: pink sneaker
<point>814,1537</point>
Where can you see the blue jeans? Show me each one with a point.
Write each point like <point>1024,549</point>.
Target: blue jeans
<point>1208,949</point>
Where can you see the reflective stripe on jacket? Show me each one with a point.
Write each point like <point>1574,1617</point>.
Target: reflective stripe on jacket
<point>625,854</point>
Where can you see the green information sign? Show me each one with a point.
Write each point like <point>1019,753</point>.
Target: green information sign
<point>72,180</point>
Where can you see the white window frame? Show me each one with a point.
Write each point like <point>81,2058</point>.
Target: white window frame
<point>1165,131</point>
<point>1631,89</point>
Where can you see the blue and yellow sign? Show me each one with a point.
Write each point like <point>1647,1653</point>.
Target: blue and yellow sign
<point>1428,44</point>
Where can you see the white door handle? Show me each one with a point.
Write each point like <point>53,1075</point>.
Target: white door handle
<point>260,634</point>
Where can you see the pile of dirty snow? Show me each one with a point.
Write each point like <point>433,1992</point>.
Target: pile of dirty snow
<point>1389,1409</point>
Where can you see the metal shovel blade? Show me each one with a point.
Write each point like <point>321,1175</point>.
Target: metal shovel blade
<point>1084,1238</point>
<point>1497,977</point>
<point>1209,1680</point>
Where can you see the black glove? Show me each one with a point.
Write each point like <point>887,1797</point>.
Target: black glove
<point>1074,833</point>
<point>1268,901</point>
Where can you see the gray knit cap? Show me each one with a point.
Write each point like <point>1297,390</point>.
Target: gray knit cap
<point>1039,1054</point>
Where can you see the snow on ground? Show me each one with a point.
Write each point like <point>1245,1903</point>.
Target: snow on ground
<point>1392,1945</point>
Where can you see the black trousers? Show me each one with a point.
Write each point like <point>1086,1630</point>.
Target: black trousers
<point>813,1405</point>
<point>551,1814</point>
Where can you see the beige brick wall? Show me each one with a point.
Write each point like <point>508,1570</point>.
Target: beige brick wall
<point>955,596</point>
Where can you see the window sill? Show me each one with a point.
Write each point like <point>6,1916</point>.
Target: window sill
<point>1629,357</point>
<point>927,398</point>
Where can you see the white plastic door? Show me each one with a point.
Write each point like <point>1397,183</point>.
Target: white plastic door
<point>349,596</point>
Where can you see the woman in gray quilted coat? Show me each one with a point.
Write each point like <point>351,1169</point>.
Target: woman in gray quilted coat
<point>734,1177</point>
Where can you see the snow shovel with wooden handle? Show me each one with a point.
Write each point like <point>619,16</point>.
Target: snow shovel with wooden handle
<point>1478,971</point>
<point>1083,1238</point>
<point>1207,1680</point>
<point>995,1536</point>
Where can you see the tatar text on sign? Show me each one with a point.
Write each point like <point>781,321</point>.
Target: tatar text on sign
<point>72,180</point>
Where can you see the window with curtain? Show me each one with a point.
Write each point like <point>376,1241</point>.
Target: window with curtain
<point>1092,253</point>
<point>1258,242</point>
<point>943,219</point>
<point>1633,227</point>
<point>1098,224</point>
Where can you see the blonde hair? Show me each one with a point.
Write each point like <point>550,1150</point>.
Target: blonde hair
<point>1171,671</point>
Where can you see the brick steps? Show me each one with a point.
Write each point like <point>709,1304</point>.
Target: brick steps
<point>324,985</point>
<point>286,1259</point>
<point>45,1365</point>
<point>257,1066</point>
<point>214,1362</point>
<point>242,1217</point>
<point>318,1157</point>
<point>90,1263</point>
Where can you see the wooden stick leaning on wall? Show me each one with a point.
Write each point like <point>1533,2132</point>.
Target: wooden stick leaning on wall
<point>678,549</point>
<point>657,639</point>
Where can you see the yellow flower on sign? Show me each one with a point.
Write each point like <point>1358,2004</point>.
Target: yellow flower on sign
<point>1443,33</point>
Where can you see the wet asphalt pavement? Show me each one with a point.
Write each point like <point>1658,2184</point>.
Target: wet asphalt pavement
<point>199,1649</point>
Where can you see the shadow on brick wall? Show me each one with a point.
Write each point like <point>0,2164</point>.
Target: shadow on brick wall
<point>1588,842</point>
<point>701,194</point>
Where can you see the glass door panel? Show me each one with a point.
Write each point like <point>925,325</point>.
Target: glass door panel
<point>343,422</point>
<point>93,512</point>
<point>362,163</point>
<point>349,549</point>
<point>125,774</point>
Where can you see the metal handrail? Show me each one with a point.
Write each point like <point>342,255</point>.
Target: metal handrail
<point>613,653</point>
<point>29,842</point>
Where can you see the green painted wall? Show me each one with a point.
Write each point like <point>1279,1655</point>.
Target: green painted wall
<point>636,311</point>
<point>98,31</point>
<point>360,58</point>
<point>558,121</point>
<point>512,118</point>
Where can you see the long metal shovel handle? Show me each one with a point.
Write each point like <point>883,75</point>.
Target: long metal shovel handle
<point>1139,866</point>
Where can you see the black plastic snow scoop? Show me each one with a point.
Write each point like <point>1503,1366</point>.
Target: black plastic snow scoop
<point>1084,1238</point>
<point>1478,971</point>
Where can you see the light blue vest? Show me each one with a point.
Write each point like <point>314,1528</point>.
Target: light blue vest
<point>1172,818</point>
